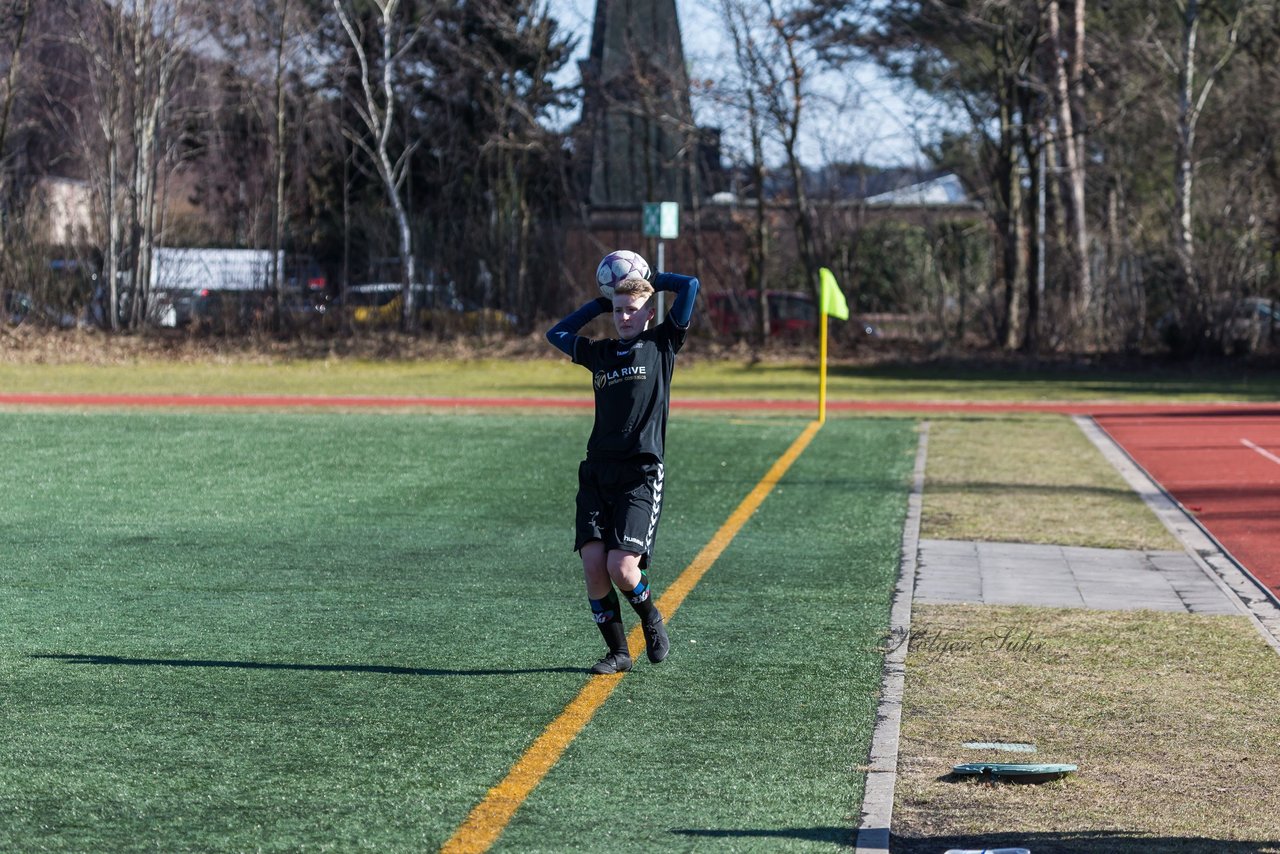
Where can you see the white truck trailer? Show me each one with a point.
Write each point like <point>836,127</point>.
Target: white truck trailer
<point>184,280</point>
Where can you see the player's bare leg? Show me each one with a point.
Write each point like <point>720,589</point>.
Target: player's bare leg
<point>624,570</point>
<point>605,608</point>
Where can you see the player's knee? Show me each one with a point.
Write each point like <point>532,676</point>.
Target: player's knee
<point>624,567</point>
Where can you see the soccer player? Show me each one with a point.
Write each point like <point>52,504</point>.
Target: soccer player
<point>621,481</point>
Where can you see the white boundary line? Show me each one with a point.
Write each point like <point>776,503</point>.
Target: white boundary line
<point>1253,598</point>
<point>1261,450</point>
<point>882,766</point>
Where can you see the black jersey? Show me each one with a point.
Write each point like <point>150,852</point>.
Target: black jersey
<point>632,381</point>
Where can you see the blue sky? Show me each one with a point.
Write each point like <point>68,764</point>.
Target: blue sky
<point>864,117</point>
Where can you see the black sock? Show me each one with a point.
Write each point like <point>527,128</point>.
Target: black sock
<point>641,600</point>
<point>608,617</point>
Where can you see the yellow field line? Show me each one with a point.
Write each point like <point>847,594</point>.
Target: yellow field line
<point>490,817</point>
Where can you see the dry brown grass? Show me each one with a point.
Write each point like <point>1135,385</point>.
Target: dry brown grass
<point>1032,479</point>
<point>30,345</point>
<point>1171,719</point>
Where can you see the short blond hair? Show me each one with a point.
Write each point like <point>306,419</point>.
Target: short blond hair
<point>633,287</point>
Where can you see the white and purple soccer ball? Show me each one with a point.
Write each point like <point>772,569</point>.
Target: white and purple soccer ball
<point>617,267</point>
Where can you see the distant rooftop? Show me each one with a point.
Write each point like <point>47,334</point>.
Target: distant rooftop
<point>942,190</point>
<point>898,187</point>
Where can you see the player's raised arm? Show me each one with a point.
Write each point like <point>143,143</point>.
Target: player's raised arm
<point>564,335</point>
<point>686,291</point>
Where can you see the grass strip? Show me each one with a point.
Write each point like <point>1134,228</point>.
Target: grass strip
<point>1170,718</point>
<point>1031,479</point>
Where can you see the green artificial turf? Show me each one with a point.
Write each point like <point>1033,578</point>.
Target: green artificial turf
<point>753,736</point>
<point>301,631</point>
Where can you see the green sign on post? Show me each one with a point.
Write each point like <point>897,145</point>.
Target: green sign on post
<point>662,220</point>
<point>652,221</point>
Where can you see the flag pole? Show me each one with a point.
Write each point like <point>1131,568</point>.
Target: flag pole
<point>822,363</point>
<point>831,302</point>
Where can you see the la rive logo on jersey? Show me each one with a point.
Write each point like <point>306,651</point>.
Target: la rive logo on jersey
<point>605,379</point>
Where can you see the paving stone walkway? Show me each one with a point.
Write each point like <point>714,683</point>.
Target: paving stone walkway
<point>951,571</point>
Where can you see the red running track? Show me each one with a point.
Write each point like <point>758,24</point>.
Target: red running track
<point>1224,468</point>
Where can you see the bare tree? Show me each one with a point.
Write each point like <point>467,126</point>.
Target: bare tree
<point>777,65</point>
<point>395,29</point>
<point>266,56</point>
<point>16,17</point>
<point>280,37</point>
<point>99,35</point>
<point>160,45</point>
<point>745,97</point>
<point>1192,96</point>
<point>131,55</point>
<point>503,56</point>
<point>786,96</point>
<point>977,57</point>
<point>1064,61</point>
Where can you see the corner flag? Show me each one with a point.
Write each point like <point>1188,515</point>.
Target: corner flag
<point>833,302</point>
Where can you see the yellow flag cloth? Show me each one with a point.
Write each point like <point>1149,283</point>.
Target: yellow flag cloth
<point>833,303</point>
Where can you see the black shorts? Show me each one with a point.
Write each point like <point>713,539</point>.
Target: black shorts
<point>619,503</point>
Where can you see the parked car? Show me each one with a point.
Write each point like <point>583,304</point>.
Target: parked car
<point>203,307</point>
<point>22,308</point>
<point>377,303</point>
<point>307,310</point>
<point>793,315</point>
<point>1232,326</point>
<point>381,304</point>
<point>736,313</point>
<point>1250,325</point>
